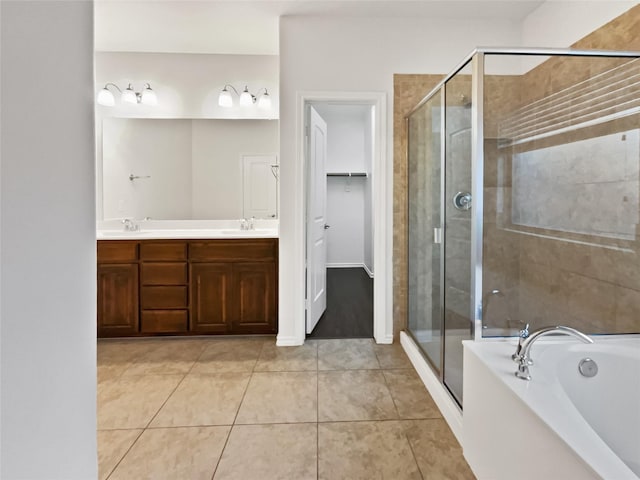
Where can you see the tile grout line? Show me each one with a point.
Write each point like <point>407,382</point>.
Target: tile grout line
<point>233,424</point>
<point>380,420</point>
<point>386,383</point>
<point>395,405</point>
<point>125,454</point>
<point>226,441</point>
<point>176,388</point>
<point>415,459</point>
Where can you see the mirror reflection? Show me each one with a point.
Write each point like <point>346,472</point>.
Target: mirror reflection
<point>189,169</point>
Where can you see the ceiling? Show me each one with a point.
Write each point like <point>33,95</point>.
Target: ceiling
<point>251,27</point>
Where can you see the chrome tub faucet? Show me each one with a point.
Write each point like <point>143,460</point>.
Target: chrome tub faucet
<point>523,352</point>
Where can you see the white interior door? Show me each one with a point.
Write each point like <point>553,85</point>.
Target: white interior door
<point>259,186</point>
<point>316,219</point>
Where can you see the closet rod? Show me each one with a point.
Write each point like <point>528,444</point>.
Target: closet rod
<point>347,174</point>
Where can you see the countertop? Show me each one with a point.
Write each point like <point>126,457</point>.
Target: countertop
<point>166,230</point>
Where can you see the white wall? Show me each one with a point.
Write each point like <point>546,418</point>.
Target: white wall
<point>359,55</point>
<point>187,86</point>
<point>345,137</point>
<point>47,225</point>
<point>207,27</point>
<point>345,214</point>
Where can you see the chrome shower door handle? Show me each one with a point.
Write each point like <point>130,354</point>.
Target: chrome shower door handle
<point>462,200</point>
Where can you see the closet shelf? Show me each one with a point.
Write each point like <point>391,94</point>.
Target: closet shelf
<point>347,174</point>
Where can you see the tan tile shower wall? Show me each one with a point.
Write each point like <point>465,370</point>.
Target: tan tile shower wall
<point>551,274</point>
<point>589,286</point>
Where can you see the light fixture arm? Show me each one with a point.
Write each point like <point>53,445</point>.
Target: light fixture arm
<point>114,85</point>
<point>232,87</point>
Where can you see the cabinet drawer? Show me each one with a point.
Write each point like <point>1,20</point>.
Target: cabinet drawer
<point>163,251</point>
<point>163,297</point>
<point>117,251</point>
<point>164,321</point>
<point>163,273</point>
<point>234,250</point>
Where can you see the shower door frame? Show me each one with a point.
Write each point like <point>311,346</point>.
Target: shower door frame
<point>477,162</point>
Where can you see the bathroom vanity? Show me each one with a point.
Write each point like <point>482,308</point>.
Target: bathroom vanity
<point>187,286</point>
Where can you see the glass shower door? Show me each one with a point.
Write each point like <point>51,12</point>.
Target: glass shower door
<point>425,233</point>
<point>457,238</point>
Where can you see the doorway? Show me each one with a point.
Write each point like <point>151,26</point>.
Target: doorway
<point>293,189</point>
<point>339,255</point>
<point>339,219</point>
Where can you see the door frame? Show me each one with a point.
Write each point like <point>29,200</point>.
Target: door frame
<point>382,220</point>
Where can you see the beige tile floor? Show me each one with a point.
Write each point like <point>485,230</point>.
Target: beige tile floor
<point>213,408</point>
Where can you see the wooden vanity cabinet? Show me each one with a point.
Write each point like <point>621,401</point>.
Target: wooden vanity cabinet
<point>211,297</point>
<point>118,306</point>
<point>164,289</point>
<point>234,286</point>
<point>190,287</point>
<point>254,297</point>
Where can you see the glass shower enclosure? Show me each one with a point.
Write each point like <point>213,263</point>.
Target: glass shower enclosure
<point>523,200</point>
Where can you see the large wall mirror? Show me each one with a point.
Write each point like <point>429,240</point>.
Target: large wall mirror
<point>189,169</point>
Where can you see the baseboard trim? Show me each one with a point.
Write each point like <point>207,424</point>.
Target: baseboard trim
<point>386,340</point>
<point>366,269</point>
<point>287,341</point>
<point>351,265</point>
<point>440,395</point>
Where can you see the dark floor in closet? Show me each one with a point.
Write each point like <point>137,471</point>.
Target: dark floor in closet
<point>349,312</point>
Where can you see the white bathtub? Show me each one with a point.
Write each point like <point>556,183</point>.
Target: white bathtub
<point>560,425</point>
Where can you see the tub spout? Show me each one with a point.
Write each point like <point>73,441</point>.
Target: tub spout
<point>523,355</point>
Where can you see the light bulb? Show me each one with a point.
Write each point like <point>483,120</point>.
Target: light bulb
<point>129,96</point>
<point>246,99</point>
<point>265,100</point>
<point>224,99</point>
<point>105,97</point>
<point>149,97</point>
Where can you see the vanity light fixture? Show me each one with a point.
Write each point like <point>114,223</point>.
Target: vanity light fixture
<point>246,98</point>
<point>129,95</point>
<point>265,100</point>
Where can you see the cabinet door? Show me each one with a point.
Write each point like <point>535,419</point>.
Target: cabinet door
<point>211,285</point>
<point>254,298</point>
<point>117,299</point>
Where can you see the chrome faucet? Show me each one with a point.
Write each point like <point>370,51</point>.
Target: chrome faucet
<point>130,225</point>
<point>522,336</point>
<point>523,352</point>
<point>247,224</point>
